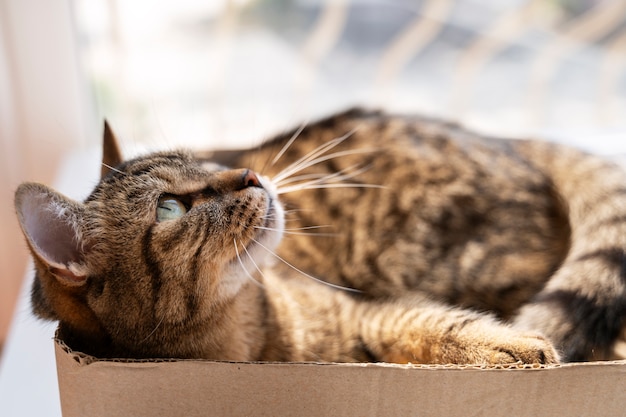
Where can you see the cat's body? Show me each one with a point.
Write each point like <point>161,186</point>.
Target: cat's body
<point>440,226</point>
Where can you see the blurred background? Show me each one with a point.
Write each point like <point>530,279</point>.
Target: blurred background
<point>229,73</point>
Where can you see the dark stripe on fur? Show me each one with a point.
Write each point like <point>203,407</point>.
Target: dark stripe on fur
<point>596,326</point>
<point>194,273</point>
<point>149,260</point>
<point>615,257</point>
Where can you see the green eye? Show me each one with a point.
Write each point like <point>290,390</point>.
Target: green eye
<point>169,209</point>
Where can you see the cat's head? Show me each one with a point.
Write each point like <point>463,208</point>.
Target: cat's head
<point>161,241</point>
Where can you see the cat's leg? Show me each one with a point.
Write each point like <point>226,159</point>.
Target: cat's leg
<point>419,330</point>
<point>582,309</point>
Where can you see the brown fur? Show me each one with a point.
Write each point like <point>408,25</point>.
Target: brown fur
<point>446,235</point>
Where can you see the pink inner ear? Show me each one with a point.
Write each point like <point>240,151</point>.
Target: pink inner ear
<point>50,227</point>
<point>68,276</point>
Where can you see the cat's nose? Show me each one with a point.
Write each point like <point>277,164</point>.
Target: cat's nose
<point>231,180</point>
<point>250,179</point>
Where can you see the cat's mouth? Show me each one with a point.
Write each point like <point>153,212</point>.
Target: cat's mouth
<point>269,230</point>
<point>272,224</point>
<point>272,220</point>
<point>269,187</point>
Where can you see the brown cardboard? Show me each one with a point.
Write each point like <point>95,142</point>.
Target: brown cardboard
<point>93,387</point>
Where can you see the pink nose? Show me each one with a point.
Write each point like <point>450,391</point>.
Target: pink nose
<point>250,179</point>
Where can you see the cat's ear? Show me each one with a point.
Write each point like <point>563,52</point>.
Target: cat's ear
<point>51,224</point>
<point>111,155</point>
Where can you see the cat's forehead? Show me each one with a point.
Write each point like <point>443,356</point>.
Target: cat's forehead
<point>166,163</point>
<point>155,162</point>
<point>171,171</point>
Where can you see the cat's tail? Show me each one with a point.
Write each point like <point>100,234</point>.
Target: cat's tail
<point>582,309</point>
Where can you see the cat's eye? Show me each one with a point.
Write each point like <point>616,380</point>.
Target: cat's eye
<point>170,208</point>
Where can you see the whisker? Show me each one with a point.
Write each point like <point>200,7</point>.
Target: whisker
<point>311,234</point>
<point>320,159</point>
<point>299,187</point>
<point>338,176</point>
<point>256,266</point>
<point>297,210</point>
<point>296,228</point>
<point>296,232</point>
<point>269,216</point>
<point>309,227</point>
<point>288,144</point>
<point>315,153</point>
<point>153,330</point>
<point>113,168</point>
<point>248,274</point>
<point>339,287</point>
<point>297,178</point>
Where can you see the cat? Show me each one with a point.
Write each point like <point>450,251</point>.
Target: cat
<point>363,236</point>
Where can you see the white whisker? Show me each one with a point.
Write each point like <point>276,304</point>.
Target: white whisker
<point>153,330</point>
<point>248,274</point>
<point>315,153</point>
<point>297,210</point>
<point>311,234</point>
<point>342,175</point>
<point>299,187</point>
<point>349,172</point>
<point>292,229</point>
<point>297,231</point>
<point>339,287</point>
<point>269,216</point>
<point>320,159</point>
<point>302,178</point>
<point>113,169</point>
<point>256,266</point>
<point>309,227</point>
<point>288,144</point>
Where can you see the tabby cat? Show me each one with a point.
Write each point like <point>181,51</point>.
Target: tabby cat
<point>361,237</point>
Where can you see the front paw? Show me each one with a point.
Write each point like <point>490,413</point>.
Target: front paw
<point>524,348</point>
<point>478,345</point>
<point>487,342</point>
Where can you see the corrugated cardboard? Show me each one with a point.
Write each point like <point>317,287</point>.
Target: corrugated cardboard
<point>93,387</point>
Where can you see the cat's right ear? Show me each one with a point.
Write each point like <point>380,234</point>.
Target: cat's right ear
<point>51,224</point>
<point>111,155</point>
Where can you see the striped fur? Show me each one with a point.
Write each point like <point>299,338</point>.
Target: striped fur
<point>454,248</point>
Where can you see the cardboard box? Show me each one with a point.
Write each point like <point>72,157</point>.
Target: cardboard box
<point>94,387</point>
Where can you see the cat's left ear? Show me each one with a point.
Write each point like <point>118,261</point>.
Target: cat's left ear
<point>51,224</point>
<point>111,155</point>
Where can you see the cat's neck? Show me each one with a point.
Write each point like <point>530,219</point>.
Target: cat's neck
<point>238,331</point>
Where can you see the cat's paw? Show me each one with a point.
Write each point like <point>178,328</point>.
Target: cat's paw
<point>524,348</point>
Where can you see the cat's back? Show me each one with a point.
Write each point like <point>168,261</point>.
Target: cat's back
<point>416,203</point>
